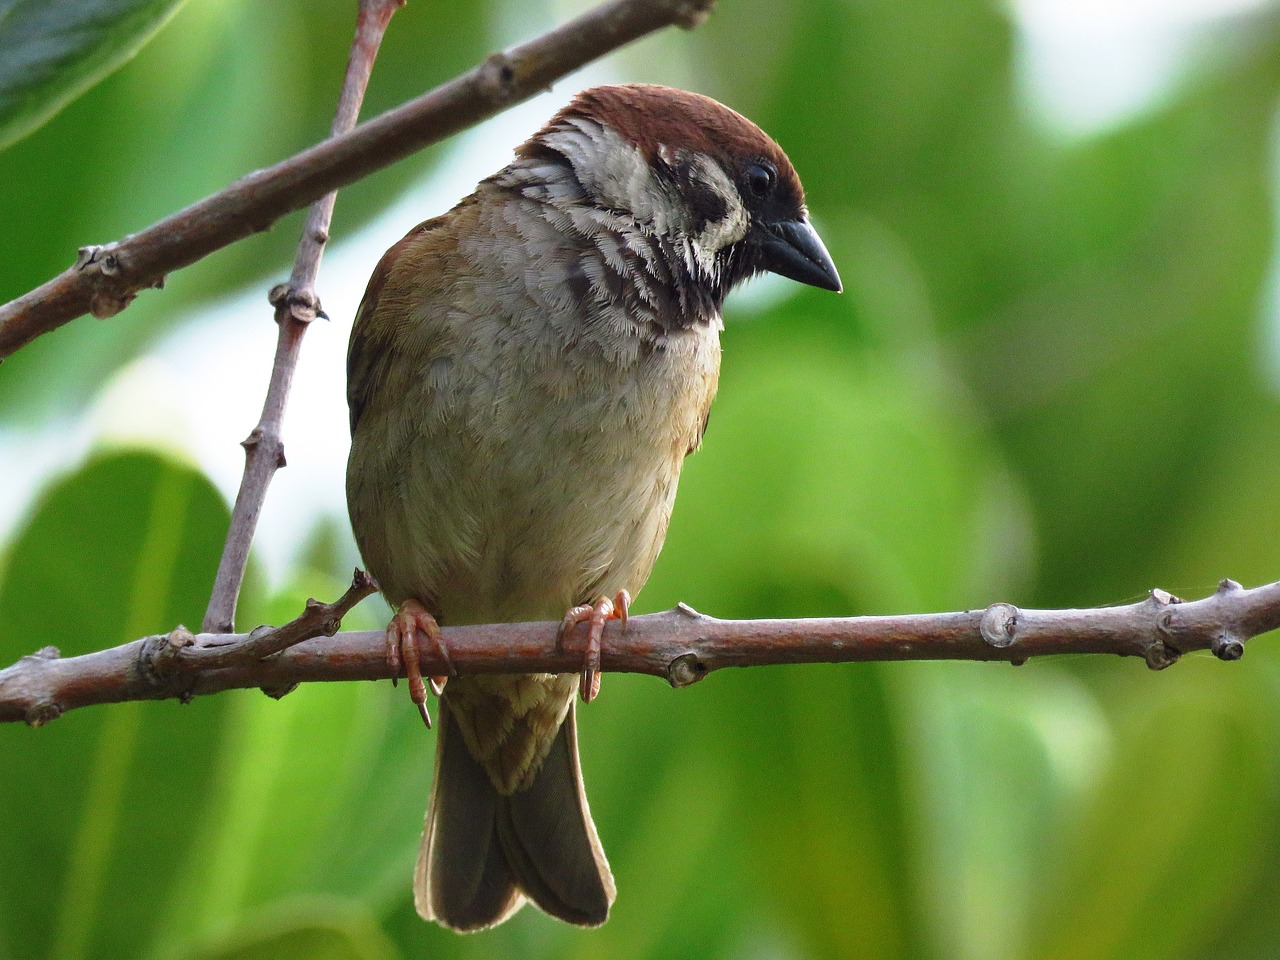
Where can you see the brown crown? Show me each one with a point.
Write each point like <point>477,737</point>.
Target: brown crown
<point>649,116</point>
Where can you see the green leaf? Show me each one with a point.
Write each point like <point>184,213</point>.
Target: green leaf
<point>997,758</point>
<point>1178,826</point>
<point>819,791</point>
<point>95,809</point>
<point>354,754</point>
<point>51,51</point>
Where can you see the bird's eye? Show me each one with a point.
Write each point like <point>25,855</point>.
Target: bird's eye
<point>761,178</point>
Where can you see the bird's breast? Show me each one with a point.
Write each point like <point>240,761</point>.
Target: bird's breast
<point>576,453</point>
<point>534,459</point>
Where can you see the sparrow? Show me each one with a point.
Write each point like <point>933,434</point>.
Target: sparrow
<point>526,375</point>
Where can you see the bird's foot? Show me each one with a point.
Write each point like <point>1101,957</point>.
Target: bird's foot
<point>403,651</point>
<point>595,614</point>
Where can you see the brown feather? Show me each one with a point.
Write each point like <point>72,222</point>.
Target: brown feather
<point>526,375</point>
<point>651,116</point>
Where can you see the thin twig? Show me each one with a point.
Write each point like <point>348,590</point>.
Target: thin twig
<point>182,652</point>
<point>105,279</point>
<point>296,306</point>
<point>157,668</point>
<point>680,645</point>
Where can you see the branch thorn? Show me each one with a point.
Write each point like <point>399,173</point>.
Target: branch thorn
<point>999,624</point>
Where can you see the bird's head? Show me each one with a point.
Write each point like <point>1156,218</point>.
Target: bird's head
<point>712,186</point>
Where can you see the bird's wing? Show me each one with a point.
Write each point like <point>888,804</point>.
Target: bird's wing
<point>408,271</point>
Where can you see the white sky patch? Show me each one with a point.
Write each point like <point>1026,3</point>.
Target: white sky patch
<point>1090,65</point>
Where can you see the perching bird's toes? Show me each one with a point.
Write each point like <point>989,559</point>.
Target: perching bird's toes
<point>595,614</point>
<point>403,650</point>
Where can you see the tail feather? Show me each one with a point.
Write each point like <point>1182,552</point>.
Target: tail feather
<point>551,843</point>
<point>482,853</point>
<point>462,879</point>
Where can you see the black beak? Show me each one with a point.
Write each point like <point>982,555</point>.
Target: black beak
<point>793,249</point>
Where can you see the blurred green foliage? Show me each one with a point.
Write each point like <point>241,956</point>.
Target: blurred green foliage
<point>54,51</point>
<point>1046,382</point>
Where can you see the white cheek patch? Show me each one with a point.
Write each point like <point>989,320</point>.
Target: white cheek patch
<point>615,172</point>
<point>619,176</point>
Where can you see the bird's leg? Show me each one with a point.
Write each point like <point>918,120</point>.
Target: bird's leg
<point>595,614</point>
<point>403,650</point>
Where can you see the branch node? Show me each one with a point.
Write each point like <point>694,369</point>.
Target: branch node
<point>327,626</point>
<point>1227,586</point>
<point>1160,655</point>
<point>999,625</point>
<point>498,78</point>
<point>693,14</point>
<point>161,655</point>
<point>38,714</point>
<point>302,305</point>
<point>1227,646</point>
<point>277,693</point>
<point>685,669</point>
<point>688,611</point>
<point>102,256</point>
<point>105,304</point>
<point>1164,598</point>
<point>278,294</point>
<point>363,582</point>
<point>111,293</point>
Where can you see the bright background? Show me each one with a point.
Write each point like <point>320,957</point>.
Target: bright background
<point>1052,380</point>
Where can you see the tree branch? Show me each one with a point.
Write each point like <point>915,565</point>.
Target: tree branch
<point>105,279</point>
<point>296,304</point>
<point>679,645</point>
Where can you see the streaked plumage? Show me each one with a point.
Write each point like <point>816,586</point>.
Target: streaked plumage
<point>526,375</point>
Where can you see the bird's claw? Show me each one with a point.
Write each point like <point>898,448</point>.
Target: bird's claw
<point>595,615</point>
<point>404,652</point>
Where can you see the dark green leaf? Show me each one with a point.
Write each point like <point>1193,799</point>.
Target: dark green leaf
<point>51,51</point>
<point>96,809</point>
<point>1172,835</point>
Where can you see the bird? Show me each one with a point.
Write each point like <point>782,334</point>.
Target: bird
<point>526,375</point>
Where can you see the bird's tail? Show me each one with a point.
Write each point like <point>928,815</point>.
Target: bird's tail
<point>483,854</point>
